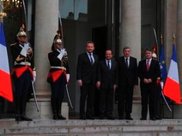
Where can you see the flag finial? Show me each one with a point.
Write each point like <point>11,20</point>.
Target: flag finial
<point>174,38</point>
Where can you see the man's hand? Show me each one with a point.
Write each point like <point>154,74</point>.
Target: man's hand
<point>34,75</point>
<point>29,51</point>
<point>145,81</point>
<point>150,80</point>
<point>19,58</point>
<point>98,84</point>
<point>67,78</point>
<point>80,83</point>
<point>158,80</point>
<point>114,87</point>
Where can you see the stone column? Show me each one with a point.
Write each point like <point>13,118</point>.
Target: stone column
<point>179,49</point>
<point>130,35</point>
<point>130,30</point>
<point>46,25</point>
<point>179,35</point>
<point>170,10</point>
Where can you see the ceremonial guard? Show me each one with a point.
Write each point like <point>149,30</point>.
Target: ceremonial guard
<point>22,73</point>
<point>58,76</point>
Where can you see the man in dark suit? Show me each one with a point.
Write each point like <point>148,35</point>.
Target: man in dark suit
<point>86,76</point>
<point>149,73</point>
<point>127,67</point>
<point>107,80</point>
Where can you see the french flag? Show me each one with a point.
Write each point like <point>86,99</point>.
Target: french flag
<point>172,85</point>
<point>5,78</point>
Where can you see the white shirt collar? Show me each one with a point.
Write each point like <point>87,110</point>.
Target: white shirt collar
<point>149,60</point>
<point>89,53</point>
<point>127,58</point>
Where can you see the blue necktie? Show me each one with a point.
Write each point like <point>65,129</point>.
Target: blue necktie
<point>91,60</point>
<point>108,64</point>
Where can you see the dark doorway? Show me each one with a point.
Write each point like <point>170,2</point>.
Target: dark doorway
<point>99,36</point>
<point>152,16</point>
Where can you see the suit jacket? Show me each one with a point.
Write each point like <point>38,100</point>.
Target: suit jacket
<point>127,75</point>
<point>85,70</point>
<point>107,77</point>
<point>153,72</point>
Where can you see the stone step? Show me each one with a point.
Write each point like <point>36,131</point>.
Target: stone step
<point>91,127</point>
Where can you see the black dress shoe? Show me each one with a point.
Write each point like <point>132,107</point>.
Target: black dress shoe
<point>153,118</point>
<point>121,118</point>
<point>129,118</point>
<point>18,119</point>
<point>90,117</point>
<point>142,118</point>
<point>55,117</point>
<point>60,117</point>
<point>158,118</point>
<point>110,117</point>
<point>102,117</point>
<point>82,117</point>
<point>24,118</point>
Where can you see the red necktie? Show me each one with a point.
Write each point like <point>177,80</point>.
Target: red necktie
<point>148,64</point>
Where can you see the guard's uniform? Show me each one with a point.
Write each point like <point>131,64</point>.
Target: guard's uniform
<point>57,79</point>
<point>22,77</point>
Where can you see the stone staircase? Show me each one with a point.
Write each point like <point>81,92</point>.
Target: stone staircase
<point>8,127</point>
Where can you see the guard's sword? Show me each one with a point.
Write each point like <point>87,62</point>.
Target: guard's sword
<point>162,84</point>
<point>155,35</point>
<point>35,97</point>
<point>71,105</point>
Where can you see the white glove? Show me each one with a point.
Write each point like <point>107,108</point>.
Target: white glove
<point>67,77</point>
<point>61,54</point>
<point>64,51</point>
<point>24,50</point>
<point>34,75</point>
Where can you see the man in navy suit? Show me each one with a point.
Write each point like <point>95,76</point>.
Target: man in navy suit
<point>127,67</point>
<point>149,74</point>
<point>86,77</point>
<point>107,81</point>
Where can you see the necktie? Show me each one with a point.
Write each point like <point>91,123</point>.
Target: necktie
<point>91,60</point>
<point>108,64</point>
<point>126,61</point>
<point>148,64</point>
